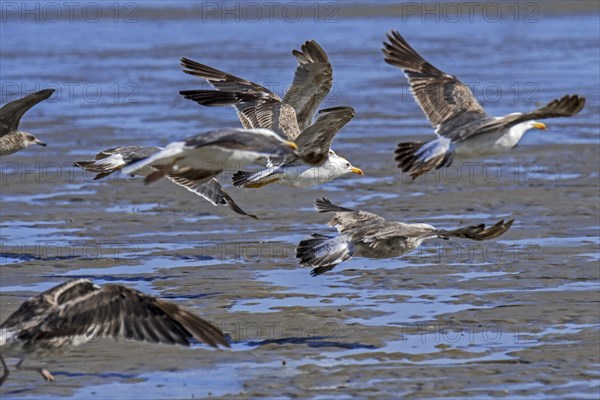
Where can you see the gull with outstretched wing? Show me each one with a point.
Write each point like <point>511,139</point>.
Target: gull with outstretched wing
<point>364,234</point>
<point>115,159</point>
<point>464,129</point>
<point>292,118</point>
<point>78,311</point>
<point>11,138</point>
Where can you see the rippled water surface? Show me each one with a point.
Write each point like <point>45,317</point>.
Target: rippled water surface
<point>517,317</point>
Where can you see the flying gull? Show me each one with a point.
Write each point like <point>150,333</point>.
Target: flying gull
<point>78,311</point>
<point>200,158</point>
<point>292,118</point>
<point>11,138</point>
<point>464,129</point>
<point>111,160</point>
<point>368,235</point>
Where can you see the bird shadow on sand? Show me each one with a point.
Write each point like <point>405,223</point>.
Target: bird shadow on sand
<point>24,257</point>
<point>110,278</point>
<point>313,341</point>
<point>105,375</point>
<point>189,296</point>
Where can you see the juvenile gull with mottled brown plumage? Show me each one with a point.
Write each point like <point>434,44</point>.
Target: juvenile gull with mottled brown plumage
<point>77,311</point>
<point>11,138</point>
<point>365,234</point>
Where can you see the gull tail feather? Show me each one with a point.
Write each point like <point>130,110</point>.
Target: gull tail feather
<point>102,167</point>
<point>324,252</point>
<point>254,180</point>
<point>418,158</point>
<point>324,205</point>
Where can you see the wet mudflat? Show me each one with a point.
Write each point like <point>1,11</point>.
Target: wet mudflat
<point>516,317</point>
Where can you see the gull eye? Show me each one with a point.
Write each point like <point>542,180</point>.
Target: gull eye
<point>30,138</point>
<point>347,164</point>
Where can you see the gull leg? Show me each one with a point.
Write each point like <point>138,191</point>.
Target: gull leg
<point>47,375</point>
<point>5,368</point>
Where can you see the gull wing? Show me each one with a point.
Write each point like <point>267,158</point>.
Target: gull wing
<point>313,80</point>
<point>81,309</point>
<point>224,81</point>
<point>211,191</point>
<point>442,97</point>
<point>566,106</point>
<point>11,113</point>
<point>314,142</point>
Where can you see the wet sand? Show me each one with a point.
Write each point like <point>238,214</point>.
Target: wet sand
<point>517,317</point>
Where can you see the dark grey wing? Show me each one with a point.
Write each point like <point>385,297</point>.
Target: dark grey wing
<point>217,98</point>
<point>228,139</point>
<point>254,111</point>
<point>376,233</point>
<point>241,139</point>
<point>231,140</point>
<point>567,106</point>
<point>11,113</point>
<point>314,142</point>
<point>312,82</point>
<point>442,97</point>
<point>211,191</point>
<point>197,175</point>
<point>87,310</point>
<point>243,103</point>
<point>478,232</point>
<point>240,93</point>
<point>223,81</point>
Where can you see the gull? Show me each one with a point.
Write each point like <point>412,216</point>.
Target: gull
<point>364,234</point>
<point>205,155</point>
<point>114,159</point>
<point>292,118</point>
<point>463,127</point>
<point>196,160</point>
<point>313,142</point>
<point>11,138</point>
<point>77,311</point>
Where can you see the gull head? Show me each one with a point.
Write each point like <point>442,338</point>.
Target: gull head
<point>341,165</point>
<point>536,125</point>
<point>30,139</point>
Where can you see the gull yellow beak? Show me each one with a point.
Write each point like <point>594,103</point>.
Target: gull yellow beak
<point>356,170</point>
<point>291,144</point>
<point>540,125</point>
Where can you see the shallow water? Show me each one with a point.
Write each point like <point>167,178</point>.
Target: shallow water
<point>517,317</point>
